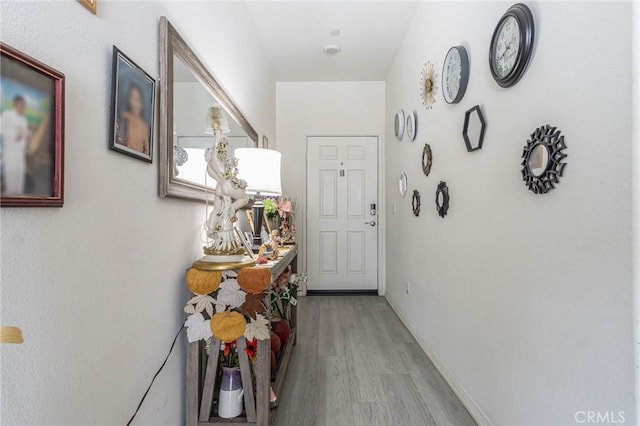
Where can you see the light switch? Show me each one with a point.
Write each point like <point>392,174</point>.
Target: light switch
<point>394,208</point>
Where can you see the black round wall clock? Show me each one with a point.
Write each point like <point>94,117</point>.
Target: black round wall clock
<point>512,45</point>
<point>455,74</point>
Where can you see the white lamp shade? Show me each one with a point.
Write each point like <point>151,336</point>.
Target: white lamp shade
<point>261,169</point>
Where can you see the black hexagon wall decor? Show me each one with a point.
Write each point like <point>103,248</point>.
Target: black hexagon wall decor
<point>474,128</point>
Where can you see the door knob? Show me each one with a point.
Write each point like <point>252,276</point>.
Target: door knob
<point>372,223</point>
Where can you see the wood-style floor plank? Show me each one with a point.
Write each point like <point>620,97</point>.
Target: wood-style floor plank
<point>356,364</point>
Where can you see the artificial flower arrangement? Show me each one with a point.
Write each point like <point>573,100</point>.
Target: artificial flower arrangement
<point>286,210</point>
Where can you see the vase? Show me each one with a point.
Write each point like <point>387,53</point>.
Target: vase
<point>230,401</point>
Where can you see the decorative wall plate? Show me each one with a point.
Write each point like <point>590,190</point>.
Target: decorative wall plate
<point>398,125</point>
<point>428,85</point>
<point>402,183</point>
<point>512,45</point>
<point>426,159</point>
<point>412,125</point>
<point>455,74</point>
<point>442,199</point>
<point>474,128</point>
<point>542,159</point>
<point>415,203</point>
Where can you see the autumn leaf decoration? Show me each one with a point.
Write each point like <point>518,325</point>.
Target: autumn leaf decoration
<point>253,304</point>
<point>257,328</point>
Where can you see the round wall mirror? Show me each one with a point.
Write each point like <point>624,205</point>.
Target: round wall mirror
<point>538,160</point>
<point>543,159</point>
<point>415,203</point>
<point>442,199</point>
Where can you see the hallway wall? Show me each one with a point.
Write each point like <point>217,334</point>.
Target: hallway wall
<point>525,302</point>
<point>97,286</point>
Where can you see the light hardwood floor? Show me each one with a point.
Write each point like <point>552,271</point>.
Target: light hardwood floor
<point>356,364</point>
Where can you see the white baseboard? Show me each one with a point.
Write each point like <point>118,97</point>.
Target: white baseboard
<point>464,396</point>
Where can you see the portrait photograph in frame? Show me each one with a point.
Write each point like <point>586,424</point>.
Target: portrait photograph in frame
<point>31,131</point>
<point>133,97</point>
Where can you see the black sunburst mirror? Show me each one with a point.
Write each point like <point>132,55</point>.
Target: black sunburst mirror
<point>542,159</point>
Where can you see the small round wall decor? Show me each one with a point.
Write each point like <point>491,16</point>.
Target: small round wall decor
<point>398,125</point>
<point>426,159</point>
<point>442,199</point>
<point>412,126</point>
<point>415,203</point>
<point>428,85</point>
<point>402,184</point>
<point>542,159</point>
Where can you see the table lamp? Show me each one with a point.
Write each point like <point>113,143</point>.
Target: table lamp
<point>260,168</point>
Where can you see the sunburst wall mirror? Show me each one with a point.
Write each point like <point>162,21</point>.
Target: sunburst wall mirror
<point>426,159</point>
<point>442,199</point>
<point>543,159</point>
<point>429,85</point>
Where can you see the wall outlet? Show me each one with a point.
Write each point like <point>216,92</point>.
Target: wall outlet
<point>408,287</point>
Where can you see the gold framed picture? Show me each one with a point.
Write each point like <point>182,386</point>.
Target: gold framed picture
<point>91,5</point>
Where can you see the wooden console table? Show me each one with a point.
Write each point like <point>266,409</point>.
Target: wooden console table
<point>201,368</point>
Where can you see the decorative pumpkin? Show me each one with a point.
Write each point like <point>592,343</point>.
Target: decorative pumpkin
<point>254,280</point>
<point>228,326</point>
<point>275,342</point>
<point>203,282</point>
<point>281,328</point>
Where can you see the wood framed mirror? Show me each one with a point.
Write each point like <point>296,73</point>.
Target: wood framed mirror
<point>187,90</point>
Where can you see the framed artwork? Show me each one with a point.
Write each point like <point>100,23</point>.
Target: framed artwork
<point>133,97</point>
<point>91,5</point>
<point>265,141</point>
<point>31,131</point>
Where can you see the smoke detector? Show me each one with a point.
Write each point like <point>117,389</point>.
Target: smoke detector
<point>331,49</point>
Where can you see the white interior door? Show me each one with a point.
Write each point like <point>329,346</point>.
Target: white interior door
<point>342,221</point>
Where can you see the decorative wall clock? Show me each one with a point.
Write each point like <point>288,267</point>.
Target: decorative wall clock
<point>415,203</point>
<point>402,183</point>
<point>428,85</point>
<point>455,74</point>
<point>542,159</point>
<point>512,45</point>
<point>426,159</point>
<point>442,199</point>
<point>412,126</point>
<point>398,125</point>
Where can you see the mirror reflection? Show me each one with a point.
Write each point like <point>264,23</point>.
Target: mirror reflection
<point>440,199</point>
<point>192,133</point>
<point>538,160</point>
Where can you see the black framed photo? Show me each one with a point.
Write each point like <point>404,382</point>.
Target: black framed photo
<point>133,97</point>
<point>31,131</point>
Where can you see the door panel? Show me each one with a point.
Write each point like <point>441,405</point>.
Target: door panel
<point>342,184</point>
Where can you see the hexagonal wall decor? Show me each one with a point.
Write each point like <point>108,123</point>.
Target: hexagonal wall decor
<point>474,128</point>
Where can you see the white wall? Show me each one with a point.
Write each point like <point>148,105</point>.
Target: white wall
<point>524,301</point>
<point>97,285</point>
<point>323,109</point>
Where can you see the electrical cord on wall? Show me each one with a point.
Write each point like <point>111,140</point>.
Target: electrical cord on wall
<point>175,339</point>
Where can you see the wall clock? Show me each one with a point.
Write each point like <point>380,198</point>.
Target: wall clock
<point>412,126</point>
<point>512,45</point>
<point>398,125</point>
<point>428,85</point>
<point>455,74</point>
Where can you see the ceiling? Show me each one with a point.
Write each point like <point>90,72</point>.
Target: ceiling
<point>293,34</point>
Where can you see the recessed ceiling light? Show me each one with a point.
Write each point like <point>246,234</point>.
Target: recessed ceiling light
<point>332,49</point>
<point>334,33</point>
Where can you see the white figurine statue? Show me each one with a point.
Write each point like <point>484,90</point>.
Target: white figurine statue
<point>229,197</point>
